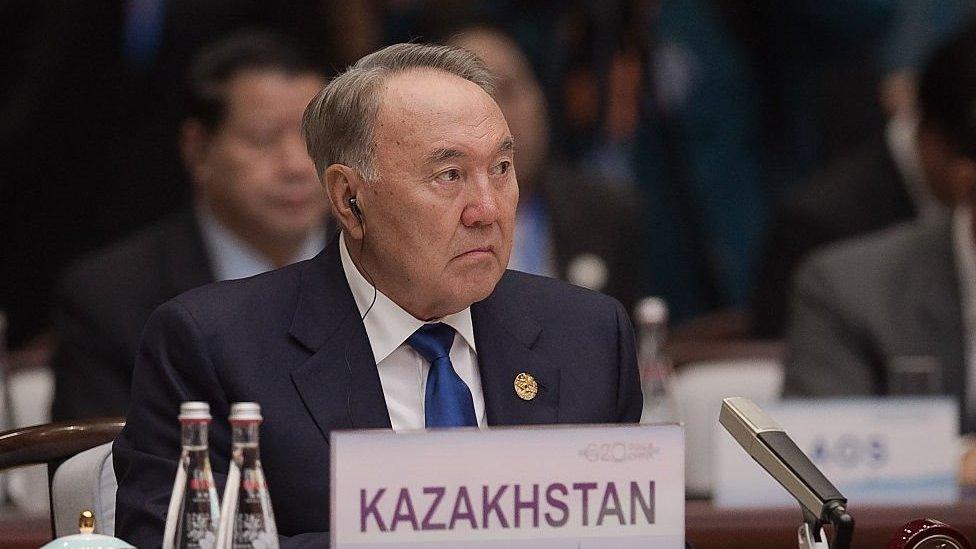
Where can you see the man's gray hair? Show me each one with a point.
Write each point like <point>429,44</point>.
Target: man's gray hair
<point>338,124</point>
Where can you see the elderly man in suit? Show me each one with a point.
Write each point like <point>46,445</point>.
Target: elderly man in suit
<point>257,206</point>
<point>869,312</point>
<point>419,164</point>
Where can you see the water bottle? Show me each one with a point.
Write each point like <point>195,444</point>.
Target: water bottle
<point>193,514</point>
<point>247,521</point>
<point>655,368</point>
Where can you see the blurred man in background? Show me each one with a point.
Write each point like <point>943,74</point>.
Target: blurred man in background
<point>257,206</point>
<point>873,187</point>
<point>570,224</point>
<point>869,313</point>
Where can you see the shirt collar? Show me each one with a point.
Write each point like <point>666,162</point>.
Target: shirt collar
<point>232,258</point>
<point>965,250</point>
<point>387,324</point>
<point>900,134</point>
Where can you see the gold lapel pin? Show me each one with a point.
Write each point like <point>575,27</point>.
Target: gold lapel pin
<point>525,386</point>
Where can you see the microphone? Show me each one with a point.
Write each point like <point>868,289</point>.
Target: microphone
<point>767,443</point>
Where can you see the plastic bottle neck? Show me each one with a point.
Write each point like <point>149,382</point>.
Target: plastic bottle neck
<point>194,434</point>
<point>244,437</point>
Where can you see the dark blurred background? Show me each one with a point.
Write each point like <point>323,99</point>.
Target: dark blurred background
<point>715,111</point>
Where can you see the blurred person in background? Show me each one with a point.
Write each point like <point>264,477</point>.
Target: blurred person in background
<point>257,206</point>
<point>867,311</point>
<point>868,187</point>
<point>570,223</point>
<point>697,156</point>
<point>86,162</point>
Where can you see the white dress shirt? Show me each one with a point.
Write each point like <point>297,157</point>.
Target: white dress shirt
<point>232,258</point>
<point>965,252</point>
<point>403,372</point>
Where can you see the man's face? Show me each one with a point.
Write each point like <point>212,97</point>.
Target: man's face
<point>440,217</point>
<point>252,170</point>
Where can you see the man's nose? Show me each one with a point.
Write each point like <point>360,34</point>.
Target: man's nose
<point>295,162</point>
<point>482,206</point>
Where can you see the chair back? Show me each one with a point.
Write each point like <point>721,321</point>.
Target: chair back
<point>52,444</point>
<point>85,481</point>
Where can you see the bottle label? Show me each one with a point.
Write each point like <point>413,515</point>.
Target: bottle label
<point>252,520</point>
<point>197,532</point>
<point>199,512</point>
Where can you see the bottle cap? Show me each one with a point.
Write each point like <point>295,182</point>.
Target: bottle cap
<point>652,310</point>
<point>195,411</point>
<point>245,411</point>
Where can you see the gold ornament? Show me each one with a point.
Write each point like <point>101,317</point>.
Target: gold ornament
<point>525,386</point>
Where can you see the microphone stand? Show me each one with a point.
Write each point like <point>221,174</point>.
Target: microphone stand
<point>811,534</point>
<point>768,444</point>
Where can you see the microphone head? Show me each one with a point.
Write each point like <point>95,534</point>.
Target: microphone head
<point>769,445</point>
<point>743,419</point>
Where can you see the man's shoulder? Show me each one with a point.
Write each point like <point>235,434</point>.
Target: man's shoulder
<point>596,195</point>
<point>264,293</point>
<point>874,263</point>
<point>888,246</point>
<point>132,261</point>
<point>834,201</point>
<point>549,296</point>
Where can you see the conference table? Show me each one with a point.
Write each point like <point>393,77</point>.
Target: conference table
<point>710,528</point>
<point>707,526</point>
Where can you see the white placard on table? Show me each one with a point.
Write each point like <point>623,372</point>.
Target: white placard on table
<point>888,451</point>
<point>606,486</point>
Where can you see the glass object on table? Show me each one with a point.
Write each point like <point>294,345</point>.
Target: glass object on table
<point>914,376</point>
<point>193,514</point>
<point>654,364</point>
<point>247,520</point>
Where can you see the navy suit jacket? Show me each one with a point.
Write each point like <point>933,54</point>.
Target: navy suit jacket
<point>293,341</point>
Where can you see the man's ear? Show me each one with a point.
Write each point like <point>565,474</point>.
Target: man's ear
<point>194,141</point>
<point>341,184</point>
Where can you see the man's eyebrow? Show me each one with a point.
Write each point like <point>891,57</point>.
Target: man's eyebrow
<point>508,145</point>
<point>440,155</point>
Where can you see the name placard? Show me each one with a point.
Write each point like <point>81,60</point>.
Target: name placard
<point>613,486</point>
<point>890,451</point>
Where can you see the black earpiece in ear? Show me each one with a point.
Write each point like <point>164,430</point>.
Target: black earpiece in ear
<point>355,209</point>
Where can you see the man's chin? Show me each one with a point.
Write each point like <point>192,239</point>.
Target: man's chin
<point>478,289</point>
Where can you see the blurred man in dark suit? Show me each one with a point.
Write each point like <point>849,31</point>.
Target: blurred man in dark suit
<point>257,206</point>
<point>875,186</point>
<point>409,319</point>
<point>85,161</point>
<point>896,311</point>
<point>569,224</point>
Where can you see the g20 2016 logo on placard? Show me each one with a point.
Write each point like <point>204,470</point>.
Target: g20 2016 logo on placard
<point>619,452</point>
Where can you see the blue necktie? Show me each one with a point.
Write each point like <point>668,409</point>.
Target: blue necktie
<point>447,399</point>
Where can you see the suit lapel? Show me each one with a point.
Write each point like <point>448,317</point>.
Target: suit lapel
<point>339,383</point>
<point>505,336</point>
